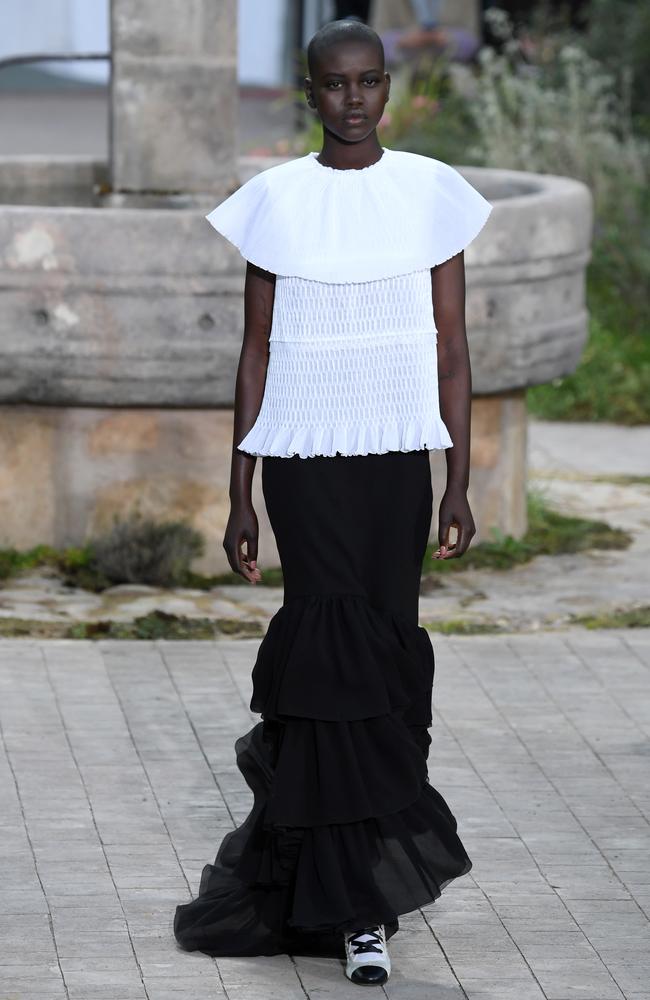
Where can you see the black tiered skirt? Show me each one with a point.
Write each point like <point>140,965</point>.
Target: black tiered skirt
<point>345,830</point>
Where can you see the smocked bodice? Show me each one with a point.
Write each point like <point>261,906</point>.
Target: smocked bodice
<point>352,347</point>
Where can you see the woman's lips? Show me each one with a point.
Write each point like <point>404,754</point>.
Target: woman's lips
<point>353,118</point>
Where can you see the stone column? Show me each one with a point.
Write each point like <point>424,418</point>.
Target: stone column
<point>174,96</point>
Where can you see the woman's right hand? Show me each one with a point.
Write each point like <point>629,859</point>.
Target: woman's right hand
<point>243,528</point>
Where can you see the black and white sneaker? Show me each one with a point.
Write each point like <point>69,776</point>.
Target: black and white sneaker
<point>368,963</point>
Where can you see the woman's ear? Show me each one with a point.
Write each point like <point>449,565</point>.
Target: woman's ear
<point>308,93</point>
<point>387,77</point>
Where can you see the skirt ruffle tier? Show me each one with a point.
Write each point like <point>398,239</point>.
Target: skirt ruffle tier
<point>346,829</point>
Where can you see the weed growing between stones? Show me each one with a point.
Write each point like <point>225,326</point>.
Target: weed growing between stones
<point>155,625</point>
<point>459,626</point>
<point>619,618</point>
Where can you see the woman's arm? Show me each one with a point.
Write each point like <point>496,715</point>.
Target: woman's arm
<point>455,387</point>
<point>242,527</point>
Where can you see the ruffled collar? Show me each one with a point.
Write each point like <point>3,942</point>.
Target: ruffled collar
<point>303,218</point>
<point>355,170</point>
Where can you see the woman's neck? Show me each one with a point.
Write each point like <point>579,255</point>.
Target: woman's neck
<point>350,155</point>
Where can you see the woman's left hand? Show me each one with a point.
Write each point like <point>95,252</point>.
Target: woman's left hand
<point>454,513</point>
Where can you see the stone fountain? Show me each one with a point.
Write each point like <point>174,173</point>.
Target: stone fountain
<point>122,312</point>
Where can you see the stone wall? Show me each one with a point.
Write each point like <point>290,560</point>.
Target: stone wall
<point>66,471</point>
<point>144,307</point>
<point>121,331</point>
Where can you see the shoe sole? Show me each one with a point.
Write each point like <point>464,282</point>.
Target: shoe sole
<point>366,982</point>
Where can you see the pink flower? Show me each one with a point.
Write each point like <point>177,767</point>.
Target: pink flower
<point>422,101</point>
<point>385,119</point>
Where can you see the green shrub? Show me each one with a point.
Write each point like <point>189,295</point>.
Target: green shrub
<point>565,114</point>
<point>139,550</point>
<point>622,28</point>
<point>12,561</point>
<point>612,382</point>
<point>569,105</point>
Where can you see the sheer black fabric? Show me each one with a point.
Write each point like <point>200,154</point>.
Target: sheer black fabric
<point>346,829</point>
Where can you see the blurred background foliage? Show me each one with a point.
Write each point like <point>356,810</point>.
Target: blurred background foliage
<point>548,98</point>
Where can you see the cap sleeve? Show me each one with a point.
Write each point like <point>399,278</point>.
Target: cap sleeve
<point>237,217</point>
<point>458,211</point>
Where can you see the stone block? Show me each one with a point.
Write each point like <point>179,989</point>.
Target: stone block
<point>66,471</point>
<point>174,96</point>
<point>149,28</point>
<point>174,126</point>
<point>497,491</point>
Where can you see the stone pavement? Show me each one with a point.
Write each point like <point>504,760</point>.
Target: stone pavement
<point>117,782</point>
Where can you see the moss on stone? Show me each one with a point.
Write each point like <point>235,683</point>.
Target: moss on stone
<point>617,618</point>
<point>155,625</point>
<point>460,626</point>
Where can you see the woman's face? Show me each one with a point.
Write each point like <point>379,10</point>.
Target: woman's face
<point>349,89</point>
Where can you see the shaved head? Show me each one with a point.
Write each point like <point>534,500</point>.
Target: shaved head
<point>337,33</point>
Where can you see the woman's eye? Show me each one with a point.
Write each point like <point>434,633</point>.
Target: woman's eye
<point>335,84</point>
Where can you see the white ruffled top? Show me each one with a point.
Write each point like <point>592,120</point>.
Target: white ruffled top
<point>352,349</point>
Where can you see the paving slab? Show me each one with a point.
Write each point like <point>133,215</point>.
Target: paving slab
<point>118,781</point>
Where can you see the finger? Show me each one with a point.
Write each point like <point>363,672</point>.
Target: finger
<point>232,557</point>
<point>444,528</point>
<point>469,531</point>
<point>256,574</point>
<point>251,560</point>
<point>450,549</point>
<point>463,540</point>
<point>242,560</point>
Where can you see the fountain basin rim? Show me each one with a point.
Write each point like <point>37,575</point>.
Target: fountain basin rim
<point>74,176</point>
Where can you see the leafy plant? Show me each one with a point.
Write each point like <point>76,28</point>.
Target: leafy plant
<point>140,550</point>
<point>566,113</point>
<point>565,104</point>
<point>612,382</point>
<point>623,26</point>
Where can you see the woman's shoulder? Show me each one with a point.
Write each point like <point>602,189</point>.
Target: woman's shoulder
<point>408,160</point>
<point>442,177</point>
<point>280,171</point>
